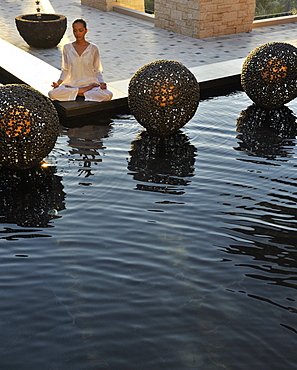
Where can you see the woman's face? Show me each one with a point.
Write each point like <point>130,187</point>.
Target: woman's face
<point>79,31</point>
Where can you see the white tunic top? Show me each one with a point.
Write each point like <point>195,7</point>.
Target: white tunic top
<point>81,70</point>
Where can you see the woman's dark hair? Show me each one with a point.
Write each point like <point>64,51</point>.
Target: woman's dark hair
<point>80,20</point>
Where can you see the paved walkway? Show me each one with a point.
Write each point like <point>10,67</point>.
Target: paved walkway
<point>126,44</point>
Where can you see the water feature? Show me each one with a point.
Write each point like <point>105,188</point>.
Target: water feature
<point>131,253</point>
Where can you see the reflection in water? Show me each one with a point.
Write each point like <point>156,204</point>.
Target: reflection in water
<point>272,247</point>
<point>263,233</point>
<point>30,198</point>
<point>271,242</point>
<point>86,142</point>
<point>266,133</point>
<point>261,218</point>
<point>209,283</point>
<point>163,161</point>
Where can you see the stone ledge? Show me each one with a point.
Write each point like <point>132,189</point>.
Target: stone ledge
<point>274,21</point>
<point>134,13</point>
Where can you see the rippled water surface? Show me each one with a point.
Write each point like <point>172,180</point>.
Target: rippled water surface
<point>132,252</point>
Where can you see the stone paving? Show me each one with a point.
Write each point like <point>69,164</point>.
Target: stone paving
<point>126,43</point>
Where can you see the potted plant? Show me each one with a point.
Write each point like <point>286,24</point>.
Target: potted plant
<point>41,30</point>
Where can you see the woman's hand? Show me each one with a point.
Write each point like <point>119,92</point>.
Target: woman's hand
<point>56,84</point>
<point>103,86</point>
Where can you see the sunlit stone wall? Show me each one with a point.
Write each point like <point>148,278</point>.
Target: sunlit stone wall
<point>205,18</point>
<point>133,4</point>
<point>105,5</point>
<point>196,18</point>
<point>225,17</point>
<point>179,16</point>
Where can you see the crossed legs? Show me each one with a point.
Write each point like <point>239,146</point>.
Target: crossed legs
<point>92,92</point>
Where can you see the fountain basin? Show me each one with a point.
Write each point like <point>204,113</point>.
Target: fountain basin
<point>41,30</point>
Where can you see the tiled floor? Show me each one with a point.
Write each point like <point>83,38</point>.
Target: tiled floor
<point>126,44</point>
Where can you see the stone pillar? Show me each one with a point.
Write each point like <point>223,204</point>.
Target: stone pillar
<point>205,18</point>
<point>179,16</point>
<point>104,5</point>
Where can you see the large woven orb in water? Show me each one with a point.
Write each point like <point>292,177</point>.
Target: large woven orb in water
<point>269,75</point>
<point>163,96</point>
<point>29,126</point>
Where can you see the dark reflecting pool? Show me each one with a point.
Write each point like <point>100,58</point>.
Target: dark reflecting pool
<point>133,252</point>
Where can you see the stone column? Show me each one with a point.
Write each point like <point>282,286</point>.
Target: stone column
<point>205,18</point>
<point>104,5</point>
<point>179,16</point>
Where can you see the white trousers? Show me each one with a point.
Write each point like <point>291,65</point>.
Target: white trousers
<point>63,93</point>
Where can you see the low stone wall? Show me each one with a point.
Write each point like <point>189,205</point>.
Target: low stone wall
<point>107,5</point>
<point>133,4</point>
<point>104,5</point>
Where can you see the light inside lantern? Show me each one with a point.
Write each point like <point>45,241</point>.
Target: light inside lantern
<point>164,93</point>
<point>16,121</point>
<point>274,71</point>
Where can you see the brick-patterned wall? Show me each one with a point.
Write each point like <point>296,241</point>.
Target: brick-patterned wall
<point>205,18</point>
<point>224,17</point>
<point>179,16</point>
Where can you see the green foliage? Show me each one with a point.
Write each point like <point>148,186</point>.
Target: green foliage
<point>149,6</point>
<point>274,7</point>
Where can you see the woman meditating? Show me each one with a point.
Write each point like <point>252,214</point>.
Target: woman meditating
<point>81,70</point>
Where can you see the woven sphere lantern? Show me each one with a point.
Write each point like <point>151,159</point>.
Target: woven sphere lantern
<point>163,96</point>
<point>29,126</point>
<point>269,75</point>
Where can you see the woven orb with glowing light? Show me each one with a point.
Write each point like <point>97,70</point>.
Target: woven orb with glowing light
<point>163,96</point>
<point>269,75</point>
<point>29,126</point>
